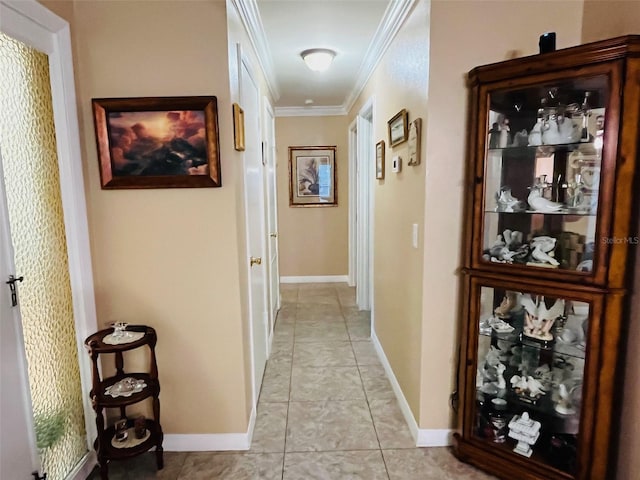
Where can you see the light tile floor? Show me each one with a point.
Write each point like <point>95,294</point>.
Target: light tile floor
<point>326,409</point>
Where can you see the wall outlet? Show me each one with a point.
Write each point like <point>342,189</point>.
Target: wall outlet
<point>396,164</point>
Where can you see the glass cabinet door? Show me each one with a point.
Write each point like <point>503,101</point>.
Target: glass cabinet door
<point>542,173</point>
<point>530,369</point>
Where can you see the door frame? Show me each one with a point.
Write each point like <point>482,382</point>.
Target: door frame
<point>243,60</point>
<point>361,201</point>
<point>33,24</point>
<point>271,191</point>
<point>353,203</point>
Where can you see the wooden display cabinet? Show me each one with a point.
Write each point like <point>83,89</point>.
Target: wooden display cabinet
<point>121,391</point>
<point>551,221</point>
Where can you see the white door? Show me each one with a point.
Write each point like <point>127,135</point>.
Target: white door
<point>269,152</point>
<point>254,204</point>
<point>18,457</point>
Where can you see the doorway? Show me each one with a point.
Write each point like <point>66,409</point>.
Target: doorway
<point>361,161</point>
<point>45,237</point>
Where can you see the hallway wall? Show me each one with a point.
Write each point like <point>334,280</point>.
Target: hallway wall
<point>400,81</point>
<point>168,258</point>
<point>313,241</point>
<point>514,31</point>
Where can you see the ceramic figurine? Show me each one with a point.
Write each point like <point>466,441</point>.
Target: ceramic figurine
<point>542,250</point>
<point>500,383</point>
<point>540,204</point>
<point>569,131</point>
<point>507,202</point>
<point>503,126</point>
<point>538,318</point>
<point>564,405</point>
<point>520,139</point>
<point>526,431</point>
<point>508,303</point>
<point>535,136</point>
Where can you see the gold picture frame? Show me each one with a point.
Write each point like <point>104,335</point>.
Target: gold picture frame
<point>380,160</point>
<point>238,127</point>
<point>313,177</point>
<point>398,128</point>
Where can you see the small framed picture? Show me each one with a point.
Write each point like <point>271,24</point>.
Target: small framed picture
<point>238,127</point>
<point>380,160</point>
<point>415,132</point>
<point>398,128</point>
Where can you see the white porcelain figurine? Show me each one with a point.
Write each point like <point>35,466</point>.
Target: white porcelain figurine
<point>542,250</point>
<point>540,204</point>
<point>538,318</point>
<point>526,431</point>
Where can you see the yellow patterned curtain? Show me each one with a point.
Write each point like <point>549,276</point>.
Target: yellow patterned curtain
<point>30,162</point>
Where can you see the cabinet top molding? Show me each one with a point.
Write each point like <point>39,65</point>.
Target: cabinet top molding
<point>572,57</point>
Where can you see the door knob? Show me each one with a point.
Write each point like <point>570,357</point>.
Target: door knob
<point>255,261</point>
<point>273,235</point>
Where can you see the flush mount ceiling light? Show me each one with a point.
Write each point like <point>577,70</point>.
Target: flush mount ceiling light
<point>318,59</point>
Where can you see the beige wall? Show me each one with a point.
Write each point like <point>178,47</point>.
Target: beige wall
<point>169,257</point>
<point>610,18</point>
<point>513,30</point>
<point>313,241</point>
<point>623,18</point>
<point>400,81</point>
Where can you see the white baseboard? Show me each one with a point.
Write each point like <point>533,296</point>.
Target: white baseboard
<point>316,279</point>
<point>431,437</point>
<point>83,469</point>
<point>424,437</point>
<point>206,442</point>
<point>209,442</point>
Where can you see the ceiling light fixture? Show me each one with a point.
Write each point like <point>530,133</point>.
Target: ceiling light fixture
<point>318,59</point>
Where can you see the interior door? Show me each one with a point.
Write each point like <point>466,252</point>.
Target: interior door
<point>254,203</point>
<point>269,152</point>
<point>18,455</point>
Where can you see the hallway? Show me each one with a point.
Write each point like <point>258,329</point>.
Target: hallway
<point>326,409</point>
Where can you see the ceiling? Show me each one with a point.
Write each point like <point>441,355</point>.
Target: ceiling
<point>358,30</point>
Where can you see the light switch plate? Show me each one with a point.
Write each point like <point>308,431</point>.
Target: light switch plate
<point>414,235</point>
<point>396,164</point>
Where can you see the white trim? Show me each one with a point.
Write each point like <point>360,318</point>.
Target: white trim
<point>196,442</point>
<point>364,205</point>
<point>205,442</point>
<point>328,111</point>
<point>63,95</point>
<point>252,22</point>
<point>316,279</point>
<point>402,401</point>
<point>431,437</point>
<point>394,17</point>
<point>83,469</point>
<point>353,204</point>
<point>424,437</point>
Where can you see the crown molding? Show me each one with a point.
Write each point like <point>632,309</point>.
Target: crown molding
<point>394,16</point>
<point>310,111</point>
<point>252,22</point>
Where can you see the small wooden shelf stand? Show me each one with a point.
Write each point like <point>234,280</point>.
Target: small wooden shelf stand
<point>105,451</point>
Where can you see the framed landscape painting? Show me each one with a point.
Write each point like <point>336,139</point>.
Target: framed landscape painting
<point>312,177</point>
<point>157,142</point>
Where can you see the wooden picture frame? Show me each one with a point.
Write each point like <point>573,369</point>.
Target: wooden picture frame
<point>157,142</point>
<point>398,128</point>
<point>380,150</point>
<point>238,128</point>
<point>313,177</point>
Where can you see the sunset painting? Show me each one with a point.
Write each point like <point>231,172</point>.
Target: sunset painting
<point>158,143</point>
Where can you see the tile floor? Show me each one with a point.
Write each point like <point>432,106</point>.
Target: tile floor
<point>326,409</point>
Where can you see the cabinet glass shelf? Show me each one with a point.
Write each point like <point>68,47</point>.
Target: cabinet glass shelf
<point>531,359</point>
